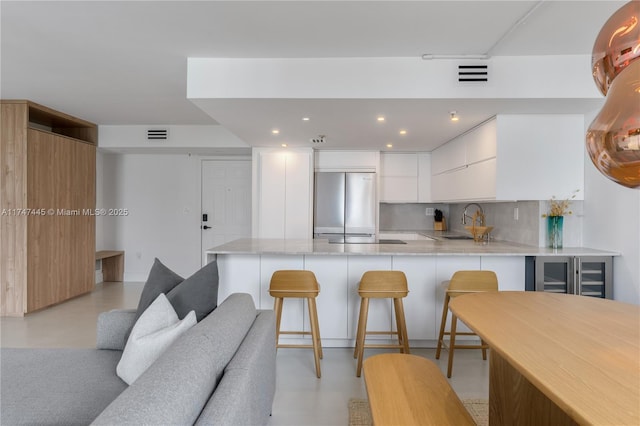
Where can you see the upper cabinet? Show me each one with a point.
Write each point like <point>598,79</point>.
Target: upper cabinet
<point>398,177</point>
<point>346,161</point>
<point>283,193</point>
<point>405,177</point>
<point>512,157</point>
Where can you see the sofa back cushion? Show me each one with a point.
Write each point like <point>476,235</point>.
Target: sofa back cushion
<point>177,386</point>
<point>245,394</point>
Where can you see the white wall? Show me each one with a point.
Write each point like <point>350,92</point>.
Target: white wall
<point>180,138</point>
<point>161,193</point>
<point>159,184</point>
<point>611,222</point>
<point>513,77</point>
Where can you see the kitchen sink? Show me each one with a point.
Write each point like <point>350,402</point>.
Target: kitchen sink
<point>458,237</point>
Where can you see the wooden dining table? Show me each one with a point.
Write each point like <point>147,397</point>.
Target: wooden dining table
<point>557,359</point>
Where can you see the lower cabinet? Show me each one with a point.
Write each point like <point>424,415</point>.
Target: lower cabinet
<point>585,276</point>
<point>339,303</point>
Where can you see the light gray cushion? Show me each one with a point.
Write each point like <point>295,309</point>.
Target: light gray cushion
<point>199,292</point>
<point>57,386</point>
<point>244,396</point>
<point>161,280</point>
<point>176,387</point>
<point>156,329</point>
<point>112,328</point>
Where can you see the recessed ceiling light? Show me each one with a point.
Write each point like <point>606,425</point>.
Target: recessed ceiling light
<point>454,116</point>
<point>380,118</point>
<point>275,131</point>
<point>305,118</point>
<point>403,132</point>
<point>284,145</point>
<point>389,145</point>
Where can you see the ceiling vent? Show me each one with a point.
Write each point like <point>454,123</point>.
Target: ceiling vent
<point>473,73</point>
<point>319,139</point>
<point>157,134</point>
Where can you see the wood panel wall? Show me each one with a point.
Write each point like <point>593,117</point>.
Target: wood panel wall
<point>13,228</point>
<point>61,246</point>
<point>49,256</point>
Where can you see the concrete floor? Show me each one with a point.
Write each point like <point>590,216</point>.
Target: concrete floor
<point>301,398</point>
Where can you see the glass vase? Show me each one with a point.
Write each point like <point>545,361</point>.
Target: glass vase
<point>554,231</point>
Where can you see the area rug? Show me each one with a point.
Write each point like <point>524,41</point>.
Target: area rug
<point>360,415</point>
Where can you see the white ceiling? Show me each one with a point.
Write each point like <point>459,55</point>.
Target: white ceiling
<point>125,62</point>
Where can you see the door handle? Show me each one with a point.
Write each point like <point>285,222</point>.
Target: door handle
<point>206,227</point>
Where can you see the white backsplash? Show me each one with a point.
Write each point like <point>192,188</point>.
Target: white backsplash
<point>529,228</point>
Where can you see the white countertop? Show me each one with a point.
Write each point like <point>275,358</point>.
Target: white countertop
<point>411,248</point>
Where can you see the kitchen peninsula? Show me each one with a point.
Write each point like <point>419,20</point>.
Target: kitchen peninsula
<point>246,265</point>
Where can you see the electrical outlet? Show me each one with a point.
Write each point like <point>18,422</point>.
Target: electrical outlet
<point>515,213</point>
<point>429,211</point>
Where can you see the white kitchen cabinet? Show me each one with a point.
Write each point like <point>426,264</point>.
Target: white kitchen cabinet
<point>512,157</point>
<point>398,177</point>
<point>449,156</point>
<point>238,274</point>
<point>284,194</point>
<point>339,303</point>
<point>420,304</point>
<point>398,189</point>
<point>380,310</point>
<point>293,309</point>
<point>399,164</point>
<point>509,269</point>
<point>464,168</point>
<point>332,275</point>
<point>424,177</point>
<point>346,161</point>
<point>446,267</point>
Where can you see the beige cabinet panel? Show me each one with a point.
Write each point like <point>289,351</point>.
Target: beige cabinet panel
<point>48,191</point>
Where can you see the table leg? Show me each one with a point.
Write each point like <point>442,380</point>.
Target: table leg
<point>514,400</point>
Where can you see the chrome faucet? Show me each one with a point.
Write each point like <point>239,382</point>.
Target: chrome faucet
<point>465,215</point>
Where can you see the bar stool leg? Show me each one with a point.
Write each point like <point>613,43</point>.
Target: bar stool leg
<point>484,349</point>
<point>452,343</point>
<point>313,319</point>
<point>317,328</point>
<point>277,307</point>
<point>355,351</point>
<point>443,323</point>
<point>364,312</point>
<point>401,325</point>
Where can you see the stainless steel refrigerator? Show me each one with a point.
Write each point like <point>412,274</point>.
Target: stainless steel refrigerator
<point>344,205</point>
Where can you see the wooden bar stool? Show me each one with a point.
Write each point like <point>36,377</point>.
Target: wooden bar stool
<point>381,284</point>
<point>463,282</point>
<point>301,285</point>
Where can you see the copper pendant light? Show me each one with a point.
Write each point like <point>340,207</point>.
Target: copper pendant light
<point>613,138</point>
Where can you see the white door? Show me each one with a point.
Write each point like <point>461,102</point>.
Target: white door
<point>226,202</point>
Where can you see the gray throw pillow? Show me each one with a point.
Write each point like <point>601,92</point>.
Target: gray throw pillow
<point>197,293</point>
<point>161,280</point>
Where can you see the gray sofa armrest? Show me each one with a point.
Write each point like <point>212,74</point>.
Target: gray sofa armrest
<point>113,327</point>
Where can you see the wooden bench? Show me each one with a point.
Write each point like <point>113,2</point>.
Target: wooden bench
<point>410,390</point>
<point>112,264</point>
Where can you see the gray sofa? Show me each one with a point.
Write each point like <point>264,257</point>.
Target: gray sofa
<point>221,371</point>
